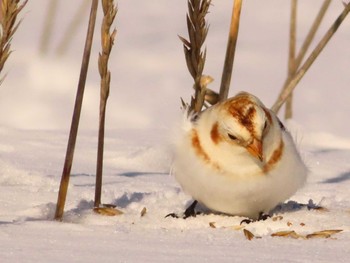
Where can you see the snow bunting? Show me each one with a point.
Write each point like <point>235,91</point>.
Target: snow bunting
<point>236,157</point>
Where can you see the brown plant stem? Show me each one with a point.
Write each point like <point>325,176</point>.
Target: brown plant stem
<point>107,41</point>
<point>311,34</point>
<point>100,150</point>
<point>230,51</point>
<point>304,48</point>
<point>309,61</point>
<point>62,194</point>
<point>291,58</point>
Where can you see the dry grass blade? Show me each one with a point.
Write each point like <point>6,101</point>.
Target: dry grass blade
<point>237,227</point>
<point>249,235</point>
<point>323,234</point>
<point>310,60</point>
<point>195,57</point>
<point>9,10</point>
<point>107,41</point>
<point>230,51</point>
<point>291,234</point>
<point>107,211</point>
<point>318,234</point>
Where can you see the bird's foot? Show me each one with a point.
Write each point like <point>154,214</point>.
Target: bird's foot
<point>173,215</point>
<point>262,217</point>
<point>189,212</point>
<point>247,221</point>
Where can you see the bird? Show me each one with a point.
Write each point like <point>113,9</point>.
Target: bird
<point>237,158</point>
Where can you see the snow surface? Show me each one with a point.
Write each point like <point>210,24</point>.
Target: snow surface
<point>149,77</point>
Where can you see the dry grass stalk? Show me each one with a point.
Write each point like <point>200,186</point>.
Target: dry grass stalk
<point>107,40</point>
<point>304,48</point>
<point>230,51</point>
<point>195,57</point>
<point>9,10</point>
<point>291,83</point>
<point>48,25</point>
<point>73,27</point>
<point>62,194</point>
<point>311,34</point>
<point>291,59</point>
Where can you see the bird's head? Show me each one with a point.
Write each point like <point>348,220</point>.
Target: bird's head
<point>242,121</point>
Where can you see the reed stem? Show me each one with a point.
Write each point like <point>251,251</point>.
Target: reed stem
<point>310,60</point>
<point>62,194</point>
<point>230,50</point>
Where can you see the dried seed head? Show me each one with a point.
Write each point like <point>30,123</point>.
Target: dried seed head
<point>9,10</point>
<point>195,58</point>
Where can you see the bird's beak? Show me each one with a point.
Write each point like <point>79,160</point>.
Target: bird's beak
<point>256,149</point>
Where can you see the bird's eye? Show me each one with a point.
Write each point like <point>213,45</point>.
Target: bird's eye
<point>232,137</point>
<point>281,125</point>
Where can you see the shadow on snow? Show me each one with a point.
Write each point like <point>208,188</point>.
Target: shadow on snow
<point>338,179</point>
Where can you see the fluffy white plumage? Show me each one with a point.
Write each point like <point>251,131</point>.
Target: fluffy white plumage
<point>237,158</point>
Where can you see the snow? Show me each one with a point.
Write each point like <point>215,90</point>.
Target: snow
<point>148,78</point>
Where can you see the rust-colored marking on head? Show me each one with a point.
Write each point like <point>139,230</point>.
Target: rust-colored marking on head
<point>242,109</point>
<point>214,133</point>
<point>276,156</point>
<point>247,119</point>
